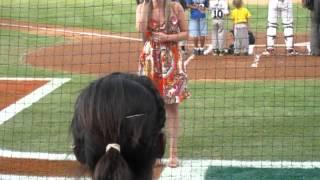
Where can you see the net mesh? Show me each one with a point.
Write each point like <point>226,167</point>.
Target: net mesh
<point>252,116</point>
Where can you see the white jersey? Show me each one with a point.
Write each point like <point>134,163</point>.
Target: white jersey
<point>218,9</point>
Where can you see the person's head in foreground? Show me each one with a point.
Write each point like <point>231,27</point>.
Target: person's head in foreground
<point>117,127</point>
<point>237,3</point>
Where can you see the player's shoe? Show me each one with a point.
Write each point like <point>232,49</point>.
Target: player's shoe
<point>268,52</point>
<point>246,54</point>
<point>195,51</point>
<point>292,52</point>
<point>201,51</point>
<point>207,52</point>
<point>236,54</point>
<point>215,52</point>
<point>221,53</point>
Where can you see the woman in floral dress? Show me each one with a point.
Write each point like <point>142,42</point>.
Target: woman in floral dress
<point>163,24</point>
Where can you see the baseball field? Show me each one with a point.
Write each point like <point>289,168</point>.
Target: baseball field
<point>249,117</point>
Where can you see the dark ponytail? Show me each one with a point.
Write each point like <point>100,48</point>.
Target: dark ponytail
<point>124,109</point>
<point>112,166</point>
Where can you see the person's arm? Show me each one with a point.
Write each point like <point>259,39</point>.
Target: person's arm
<point>226,9</point>
<point>183,25</point>
<point>248,17</point>
<point>142,17</point>
<point>192,5</point>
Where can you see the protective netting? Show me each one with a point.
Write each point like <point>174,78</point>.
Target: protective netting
<point>252,115</point>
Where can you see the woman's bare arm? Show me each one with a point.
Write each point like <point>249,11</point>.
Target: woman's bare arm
<point>142,17</point>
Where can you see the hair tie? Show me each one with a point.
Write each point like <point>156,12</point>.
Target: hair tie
<point>114,146</point>
<point>133,116</point>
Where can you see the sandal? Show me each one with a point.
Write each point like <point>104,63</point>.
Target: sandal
<point>173,163</point>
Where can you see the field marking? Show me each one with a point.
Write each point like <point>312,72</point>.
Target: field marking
<point>196,169</point>
<point>36,155</point>
<point>25,102</point>
<point>257,57</point>
<point>21,177</point>
<point>62,30</point>
<point>70,31</point>
<point>188,169</point>
<point>183,163</point>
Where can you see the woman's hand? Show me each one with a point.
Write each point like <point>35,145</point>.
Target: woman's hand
<point>160,37</point>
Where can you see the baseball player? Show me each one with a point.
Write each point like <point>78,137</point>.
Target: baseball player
<point>281,8</point>
<point>314,7</point>
<point>219,9</point>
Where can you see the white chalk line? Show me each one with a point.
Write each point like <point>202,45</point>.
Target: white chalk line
<point>254,64</point>
<point>196,169</point>
<point>21,177</point>
<point>25,102</point>
<point>183,163</point>
<point>70,31</point>
<point>36,155</point>
<point>257,57</point>
<point>113,36</point>
<point>188,169</point>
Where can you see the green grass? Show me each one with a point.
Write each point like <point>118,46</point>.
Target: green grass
<point>258,21</point>
<point>27,129</point>
<point>271,120</point>
<point>274,120</point>
<point>44,126</point>
<point>258,120</point>
<point>14,45</point>
<point>112,15</point>
<point>219,173</point>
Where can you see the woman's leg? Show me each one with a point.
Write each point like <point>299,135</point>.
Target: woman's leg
<point>173,127</point>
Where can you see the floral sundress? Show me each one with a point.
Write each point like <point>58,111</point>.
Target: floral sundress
<point>163,63</point>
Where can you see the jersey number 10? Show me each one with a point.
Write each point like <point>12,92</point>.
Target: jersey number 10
<point>217,13</point>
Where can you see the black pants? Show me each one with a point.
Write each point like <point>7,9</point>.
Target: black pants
<point>315,29</point>
<point>315,38</point>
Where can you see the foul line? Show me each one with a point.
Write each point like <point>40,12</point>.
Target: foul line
<point>114,36</point>
<point>25,102</point>
<point>69,31</point>
<point>196,169</point>
<point>188,169</point>
<point>20,177</point>
<point>36,155</point>
<point>183,163</point>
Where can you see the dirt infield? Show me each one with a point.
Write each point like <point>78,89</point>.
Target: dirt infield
<point>11,91</point>
<point>108,55</point>
<point>32,167</point>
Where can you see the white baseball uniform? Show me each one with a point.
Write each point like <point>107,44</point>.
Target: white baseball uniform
<point>281,8</point>
<point>219,9</point>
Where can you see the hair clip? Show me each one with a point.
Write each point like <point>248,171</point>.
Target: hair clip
<point>113,146</point>
<point>133,116</point>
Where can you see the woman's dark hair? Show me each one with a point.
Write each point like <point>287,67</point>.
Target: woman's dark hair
<point>124,109</point>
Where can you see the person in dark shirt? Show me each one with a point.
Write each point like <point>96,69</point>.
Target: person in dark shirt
<point>198,24</point>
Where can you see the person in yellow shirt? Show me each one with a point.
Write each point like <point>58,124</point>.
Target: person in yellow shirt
<point>240,17</point>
